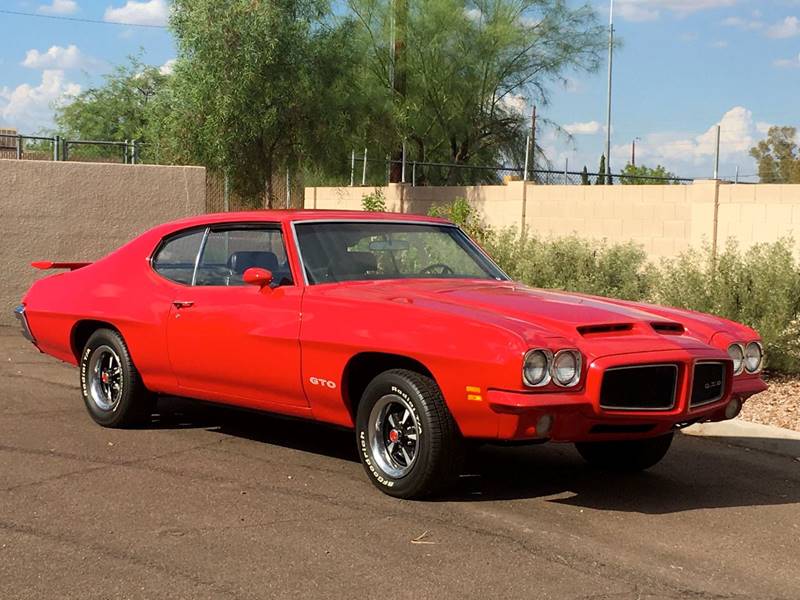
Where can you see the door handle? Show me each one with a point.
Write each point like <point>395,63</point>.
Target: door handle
<point>183,303</point>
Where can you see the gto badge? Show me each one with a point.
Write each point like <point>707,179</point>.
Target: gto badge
<point>713,384</point>
<point>323,382</point>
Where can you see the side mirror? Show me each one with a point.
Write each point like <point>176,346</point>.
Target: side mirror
<point>255,276</point>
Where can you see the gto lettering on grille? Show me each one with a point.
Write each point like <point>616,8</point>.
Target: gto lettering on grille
<point>323,382</point>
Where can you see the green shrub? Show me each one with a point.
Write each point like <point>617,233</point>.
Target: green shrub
<point>759,287</point>
<point>374,202</point>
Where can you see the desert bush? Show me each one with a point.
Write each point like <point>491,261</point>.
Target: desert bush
<point>759,286</point>
<point>374,202</point>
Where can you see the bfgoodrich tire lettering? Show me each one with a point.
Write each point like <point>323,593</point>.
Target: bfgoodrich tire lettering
<point>110,384</point>
<point>625,455</point>
<point>407,439</point>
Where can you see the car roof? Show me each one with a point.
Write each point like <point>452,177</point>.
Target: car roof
<point>280,216</point>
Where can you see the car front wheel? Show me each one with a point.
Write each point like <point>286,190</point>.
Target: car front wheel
<point>625,455</point>
<point>112,389</point>
<point>407,439</point>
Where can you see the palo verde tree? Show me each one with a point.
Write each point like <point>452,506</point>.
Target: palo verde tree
<point>456,74</point>
<point>778,156</point>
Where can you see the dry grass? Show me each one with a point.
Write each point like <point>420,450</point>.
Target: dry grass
<point>778,406</point>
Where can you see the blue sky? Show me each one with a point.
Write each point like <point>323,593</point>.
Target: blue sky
<point>685,66</point>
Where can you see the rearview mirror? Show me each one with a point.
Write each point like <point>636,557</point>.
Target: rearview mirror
<point>256,276</point>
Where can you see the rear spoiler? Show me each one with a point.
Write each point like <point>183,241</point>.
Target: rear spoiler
<point>48,264</point>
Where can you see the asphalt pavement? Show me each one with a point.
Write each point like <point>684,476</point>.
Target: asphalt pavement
<point>210,502</point>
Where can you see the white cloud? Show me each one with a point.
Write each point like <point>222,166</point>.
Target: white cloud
<point>514,103</point>
<point>58,57</point>
<point>168,67</point>
<point>588,128</point>
<point>789,27</point>
<point>58,7</point>
<point>29,108</point>
<point>719,44</point>
<point>763,127</point>
<point>741,23</point>
<point>145,12</point>
<point>788,63</point>
<point>650,10</point>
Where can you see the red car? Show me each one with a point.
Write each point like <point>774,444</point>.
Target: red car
<point>395,325</point>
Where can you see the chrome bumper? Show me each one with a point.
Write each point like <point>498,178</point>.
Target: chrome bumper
<point>19,312</point>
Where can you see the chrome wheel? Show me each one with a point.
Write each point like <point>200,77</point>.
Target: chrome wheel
<point>393,435</point>
<point>105,378</point>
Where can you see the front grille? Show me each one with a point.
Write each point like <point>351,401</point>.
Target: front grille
<point>643,387</point>
<point>709,383</point>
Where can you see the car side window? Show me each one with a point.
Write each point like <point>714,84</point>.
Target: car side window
<point>228,253</point>
<point>176,257</point>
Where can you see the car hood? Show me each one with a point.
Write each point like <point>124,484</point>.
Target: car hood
<point>548,313</point>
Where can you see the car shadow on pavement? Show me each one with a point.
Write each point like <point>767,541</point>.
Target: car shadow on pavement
<point>696,474</point>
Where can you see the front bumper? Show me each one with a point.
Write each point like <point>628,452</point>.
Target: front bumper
<point>578,416</point>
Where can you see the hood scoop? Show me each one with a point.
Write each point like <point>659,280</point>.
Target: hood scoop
<point>667,327</point>
<point>605,329</point>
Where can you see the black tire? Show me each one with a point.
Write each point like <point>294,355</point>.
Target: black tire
<point>626,455</point>
<point>110,384</point>
<point>437,450</point>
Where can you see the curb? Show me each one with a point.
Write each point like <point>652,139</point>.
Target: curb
<point>766,438</point>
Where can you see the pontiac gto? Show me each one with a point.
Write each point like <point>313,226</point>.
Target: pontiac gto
<point>397,326</point>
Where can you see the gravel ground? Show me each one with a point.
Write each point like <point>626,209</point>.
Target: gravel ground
<point>778,406</point>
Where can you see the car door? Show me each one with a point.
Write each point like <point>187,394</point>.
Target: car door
<point>233,342</point>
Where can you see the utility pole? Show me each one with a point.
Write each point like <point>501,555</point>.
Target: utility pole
<point>633,150</point>
<point>610,72</point>
<point>398,75</point>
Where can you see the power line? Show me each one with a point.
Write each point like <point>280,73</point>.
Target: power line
<point>78,19</point>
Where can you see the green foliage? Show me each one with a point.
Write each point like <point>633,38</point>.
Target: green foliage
<point>778,156</point>
<point>601,171</point>
<point>585,176</point>
<point>119,110</point>
<point>759,286</point>
<point>640,175</point>
<point>461,212</point>
<point>374,202</point>
<point>456,85</point>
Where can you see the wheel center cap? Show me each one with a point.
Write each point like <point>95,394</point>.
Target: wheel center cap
<point>104,377</point>
<point>394,435</point>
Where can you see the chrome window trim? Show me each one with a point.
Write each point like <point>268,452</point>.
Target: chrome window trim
<point>19,313</point>
<point>477,246</point>
<point>722,389</point>
<point>199,254</point>
<point>643,409</point>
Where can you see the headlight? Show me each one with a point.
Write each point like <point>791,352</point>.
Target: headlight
<point>567,368</point>
<point>753,356</point>
<point>536,368</point>
<point>736,352</point>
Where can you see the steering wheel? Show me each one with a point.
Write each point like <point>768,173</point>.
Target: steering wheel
<point>443,270</point>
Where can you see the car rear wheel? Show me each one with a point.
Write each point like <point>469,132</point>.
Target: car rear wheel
<point>112,389</point>
<point>625,455</point>
<point>407,439</point>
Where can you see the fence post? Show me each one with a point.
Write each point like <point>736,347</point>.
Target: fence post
<point>288,188</point>
<point>364,169</point>
<point>226,205</point>
<point>352,166</point>
<point>133,152</point>
<point>19,147</point>
<point>414,174</point>
<point>566,171</point>
<point>56,142</point>
<point>403,165</point>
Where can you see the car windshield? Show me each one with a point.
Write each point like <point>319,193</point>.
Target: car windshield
<point>364,250</point>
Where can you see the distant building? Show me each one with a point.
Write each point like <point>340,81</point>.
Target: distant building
<point>8,143</point>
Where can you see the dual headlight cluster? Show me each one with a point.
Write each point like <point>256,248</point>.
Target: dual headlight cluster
<point>746,358</point>
<point>543,366</point>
